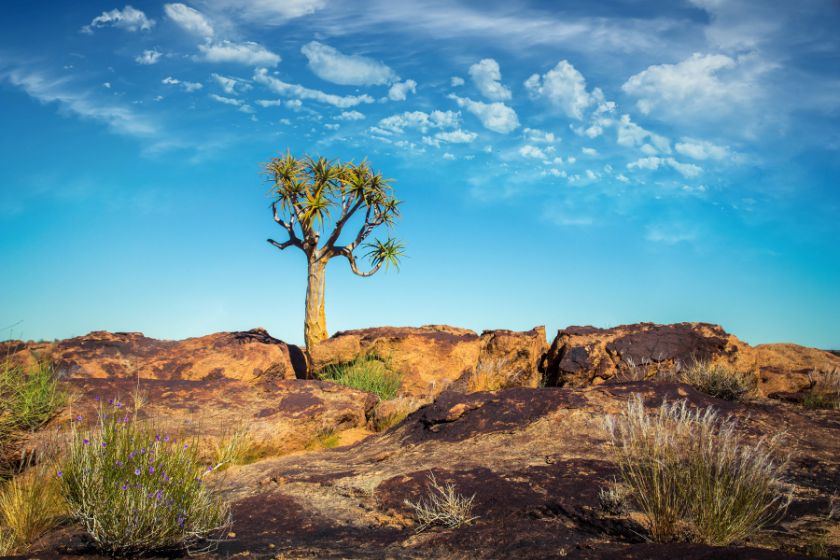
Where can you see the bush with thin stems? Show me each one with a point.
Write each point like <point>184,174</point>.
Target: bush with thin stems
<point>367,373</point>
<point>488,375</point>
<point>717,380</point>
<point>29,397</point>
<point>689,469</point>
<point>136,491</point>
<point>824,390</point>
<point>443,507</point>
<point>30,505</point>
<point>236,447</point>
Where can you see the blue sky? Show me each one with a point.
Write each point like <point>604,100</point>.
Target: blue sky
<point>561,163</point>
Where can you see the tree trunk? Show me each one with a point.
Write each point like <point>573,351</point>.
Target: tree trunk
<point>315,324</point>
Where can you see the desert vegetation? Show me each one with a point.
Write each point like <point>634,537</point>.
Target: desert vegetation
<point>717,380</point>
<point>312,193</point>
<point>824,390</point>
<point>30,505</point>
<point>367,373</point>
<point>135,490</point>
<point>442,506</point>
<point>693,475</point>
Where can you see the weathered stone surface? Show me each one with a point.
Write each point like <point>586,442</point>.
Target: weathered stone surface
<point>248,356</point>
<point>582,356</point>
<point>432,357</point>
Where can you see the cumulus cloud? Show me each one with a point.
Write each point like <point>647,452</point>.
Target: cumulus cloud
<point>396,124</point>
<point>299,92</point>
<point>539,136</point>
<point>148,57</point>
<point>399,91</point>
<point>226,100</point>
<point>456,81</point>
<point>456,136</point>
<point>653,163</point>
<point>630,134</point>
<point>703,85</point>
<point>487,76</point>
<point>187,86</point>
<point>189,19</point>
<point>128,18</point>
<point>700,149</point>
<point>589,151</point>
<point>564,87</point>
<point>231,86</point>
<point>350,116</point>
<point>533,152</point>
<point>495,116</point>
<point>350,70</point>
<point>247,53</point>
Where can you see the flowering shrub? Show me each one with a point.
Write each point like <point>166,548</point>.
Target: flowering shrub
<point>138,491</point>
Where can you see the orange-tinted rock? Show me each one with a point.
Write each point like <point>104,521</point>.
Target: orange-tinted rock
<point>247,356</point>
<point>432,357</point>
<point>587,355</point>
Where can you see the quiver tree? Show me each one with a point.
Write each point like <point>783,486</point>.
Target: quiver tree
<point>312,195</point>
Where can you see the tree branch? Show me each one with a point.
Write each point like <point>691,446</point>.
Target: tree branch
<point>289,227</point>
<point>346,214</point>
<point>284,245</point>
<point>350,257</point>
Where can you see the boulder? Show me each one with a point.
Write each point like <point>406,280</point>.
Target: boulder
<point>433,357</point>
<point>581,356</point>
<point>246,356</point>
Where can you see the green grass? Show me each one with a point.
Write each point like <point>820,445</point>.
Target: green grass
<point>367,373</point>
<point>28,397</point>
<point>136,491</point>
<point>692,475</point>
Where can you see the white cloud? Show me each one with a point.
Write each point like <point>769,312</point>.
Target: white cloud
<point>350,70</point>
<point>189,19</point>
<point>653,163</point>
<point>496,116</point>
<point>487,76</point>
<point>589,151</point>
<point>399,91</point>
<point>332,126</point>
<point>700,149</point>
<point>148,57</point>
<point>448,156</point>
<point>107,85</point>
<point>629,134</point>
<point>293,104</point>
<point>456,136</point>
<point>539,136</point>
<point>669,234</point>
<point>297,91</point>
<point>530,151</point>
<point>51,90</point>
<point>396,124</point>
<point>350,116</point>
<point>456,81</point>
<point>702,85</point>
<point>564,87</point>
<point>128,18</point>
<point>231,85</point>
<point>267,12</point>
<point>188,86</point>
<point>226,100</point>
<point>247,53</point>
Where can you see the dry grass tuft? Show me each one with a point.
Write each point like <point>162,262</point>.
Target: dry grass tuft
<point>824,391</point>
<point>717,380</point>
<point>389,414</point>
<point>30,505</point>
<point>488,375</point>
<point>689,469</point>
<point>236,447</point>
<point>613,498</point>
<point>443,507</point>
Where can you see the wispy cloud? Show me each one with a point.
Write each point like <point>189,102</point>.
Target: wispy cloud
<point>300,92</point>
<point>189,19</point>
<point>247,53</point>
<point>128,18</point>
<point>334,66</point>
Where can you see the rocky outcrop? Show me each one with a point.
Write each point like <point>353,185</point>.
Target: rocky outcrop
<point>247,356</point>
<point>582,356</point>
<point>432,357</point>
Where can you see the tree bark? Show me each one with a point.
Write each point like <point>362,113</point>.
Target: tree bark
<point>315,324</point>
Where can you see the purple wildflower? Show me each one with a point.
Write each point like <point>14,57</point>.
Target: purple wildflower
<point>104,444</point>
<point>110,401</point>
<point>125,486</point>
<point>151,470</point>
<point>86,441</point>
<point>209,469</point>
<point>137,471</point>
<point>60,474</point>
<point>157,437</point>
<point>165,438</point>
<point>186,446</point>
<point>119,463</point>
<point>78,418</point>
<point>132,454</point>
<point>98,398</point>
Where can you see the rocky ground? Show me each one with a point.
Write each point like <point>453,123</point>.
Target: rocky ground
<point>532,451</point>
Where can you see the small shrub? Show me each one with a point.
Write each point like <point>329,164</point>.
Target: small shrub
<point>688,468</point>
<point>30,505</point>
<point>234,448</point>
<point>442,507</point>
<point>135,491</point>
<point>367,373</point>
<point>325,437</point>
<point>488,375</point>
<point>613,498</point>
<point>28,398</point>
<point>718,380</point>
<point>824,391</point>
<point>390,413</point>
